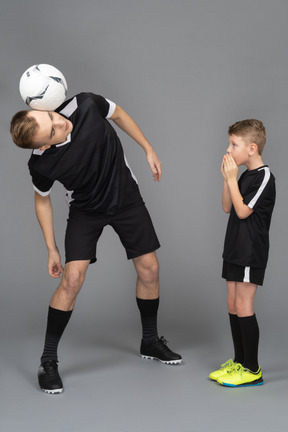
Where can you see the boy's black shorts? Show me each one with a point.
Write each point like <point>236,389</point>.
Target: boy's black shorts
<point>133,226</point>
<point>235,273</point>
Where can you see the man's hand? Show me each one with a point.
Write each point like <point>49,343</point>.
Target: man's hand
<point>155,165</point>
<point>55,267</point>
<point>229,168</point>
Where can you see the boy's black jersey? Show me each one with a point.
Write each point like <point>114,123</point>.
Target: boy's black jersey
<point>247,240</point>
<point>91,163</point>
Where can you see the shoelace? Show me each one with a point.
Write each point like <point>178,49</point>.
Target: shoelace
<point>229,363</point>
<point>50,367</point>
<point>162,343</point>
<point>237,368</point>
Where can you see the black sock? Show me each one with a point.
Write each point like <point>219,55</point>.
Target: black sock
<point>56,323</point>
<point>237,338</point>
<point>250,337</point>
<point>148,310</point>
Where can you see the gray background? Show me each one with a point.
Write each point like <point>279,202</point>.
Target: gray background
<point>185,70</point>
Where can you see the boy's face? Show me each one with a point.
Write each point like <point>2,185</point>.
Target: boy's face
<point>239,149</point>
<point>53,128</point>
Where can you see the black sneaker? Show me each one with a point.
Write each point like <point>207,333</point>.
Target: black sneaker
<point>158,350</point>
<point>49,378</point>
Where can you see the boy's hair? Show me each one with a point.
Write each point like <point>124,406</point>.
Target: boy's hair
<point>251,129</point>
<point>23,129</point>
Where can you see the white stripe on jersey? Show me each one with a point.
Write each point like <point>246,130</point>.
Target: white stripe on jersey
<point>246,274</point>
<point>40,192</point>
<point>70,108</point>
<point>132,174</point>
<point>261,188</point>
<point>112,107</point>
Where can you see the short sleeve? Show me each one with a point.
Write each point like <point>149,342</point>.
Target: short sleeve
<point>41,184</point>
<point>105,106</point>
<point>259,189</point>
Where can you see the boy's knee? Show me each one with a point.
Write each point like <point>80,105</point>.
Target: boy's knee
<point>240,307</point>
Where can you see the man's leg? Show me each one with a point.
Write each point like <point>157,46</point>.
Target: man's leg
<point>147,293</point>
<point>59,313</point>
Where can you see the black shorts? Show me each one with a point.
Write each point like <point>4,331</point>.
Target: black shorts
<point>133,226</point>
<point>235,273</point>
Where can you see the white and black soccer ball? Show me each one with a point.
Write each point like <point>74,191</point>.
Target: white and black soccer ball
<point>43,87</point>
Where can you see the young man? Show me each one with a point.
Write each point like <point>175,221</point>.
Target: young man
<point>78,147</point>
<point>250,202</point>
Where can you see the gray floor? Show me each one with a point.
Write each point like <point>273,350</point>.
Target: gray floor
<point>108,387</point>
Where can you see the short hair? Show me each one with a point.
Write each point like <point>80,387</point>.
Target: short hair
<point>23,129</point>
<point>251,129</point>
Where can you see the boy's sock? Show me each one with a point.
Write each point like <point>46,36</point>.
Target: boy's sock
<point>250,338</point>
<point>56,323</point>
<point>148,311</point>
<point>237,338</point>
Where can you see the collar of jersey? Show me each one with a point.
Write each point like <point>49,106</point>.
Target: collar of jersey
<point>65,142</point>
<point>40,152</point>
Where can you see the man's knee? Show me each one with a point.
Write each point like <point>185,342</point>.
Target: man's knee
<point>148,268</point>
<point>72,280</point>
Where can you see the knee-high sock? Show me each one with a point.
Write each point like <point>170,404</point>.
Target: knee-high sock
<point>237,338</point>
<point>250,339</point>
<point>56,323</point>
<point>148,311</point>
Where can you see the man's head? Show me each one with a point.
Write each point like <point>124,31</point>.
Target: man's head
<point>39,129</point>
<point>246,139</point>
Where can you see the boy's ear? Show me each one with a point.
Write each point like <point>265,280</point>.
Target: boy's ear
<point>253,148</point>
<point>45,147</point>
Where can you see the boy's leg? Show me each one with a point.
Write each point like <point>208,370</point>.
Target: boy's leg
<point>234,322</point>
<point>245,295</point>
<point>60,310</point>
<point>248,373</point>
<point>147,293</point>
<point>235,332</point>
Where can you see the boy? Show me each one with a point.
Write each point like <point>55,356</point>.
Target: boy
<point>250,203</point>
<point>77,146</point>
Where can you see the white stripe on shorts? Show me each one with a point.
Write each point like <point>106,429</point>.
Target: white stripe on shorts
<point>246,274</point>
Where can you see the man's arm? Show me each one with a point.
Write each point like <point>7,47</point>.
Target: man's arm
<point>230,171</point>
<point>44,214</point>
<point>128,125</point>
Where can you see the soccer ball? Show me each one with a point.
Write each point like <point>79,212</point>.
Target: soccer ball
<point>43,87</point>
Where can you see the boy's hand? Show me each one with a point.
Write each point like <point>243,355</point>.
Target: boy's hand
<point>229,168</point>
<point>222,167</point>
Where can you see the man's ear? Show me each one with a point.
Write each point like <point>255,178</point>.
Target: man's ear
<point>45,147</point>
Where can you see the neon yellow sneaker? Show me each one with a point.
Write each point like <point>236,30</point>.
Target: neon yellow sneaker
<point>225,367</point>
<point>241,377</point>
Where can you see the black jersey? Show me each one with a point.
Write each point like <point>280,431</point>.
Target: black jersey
<point>247,240</point>
<point>91,163</point>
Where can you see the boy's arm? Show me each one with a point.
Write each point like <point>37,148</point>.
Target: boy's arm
<point>230,171</point>
<point>44,214</point>
<point>226,198</point>
<point>128,125</point>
